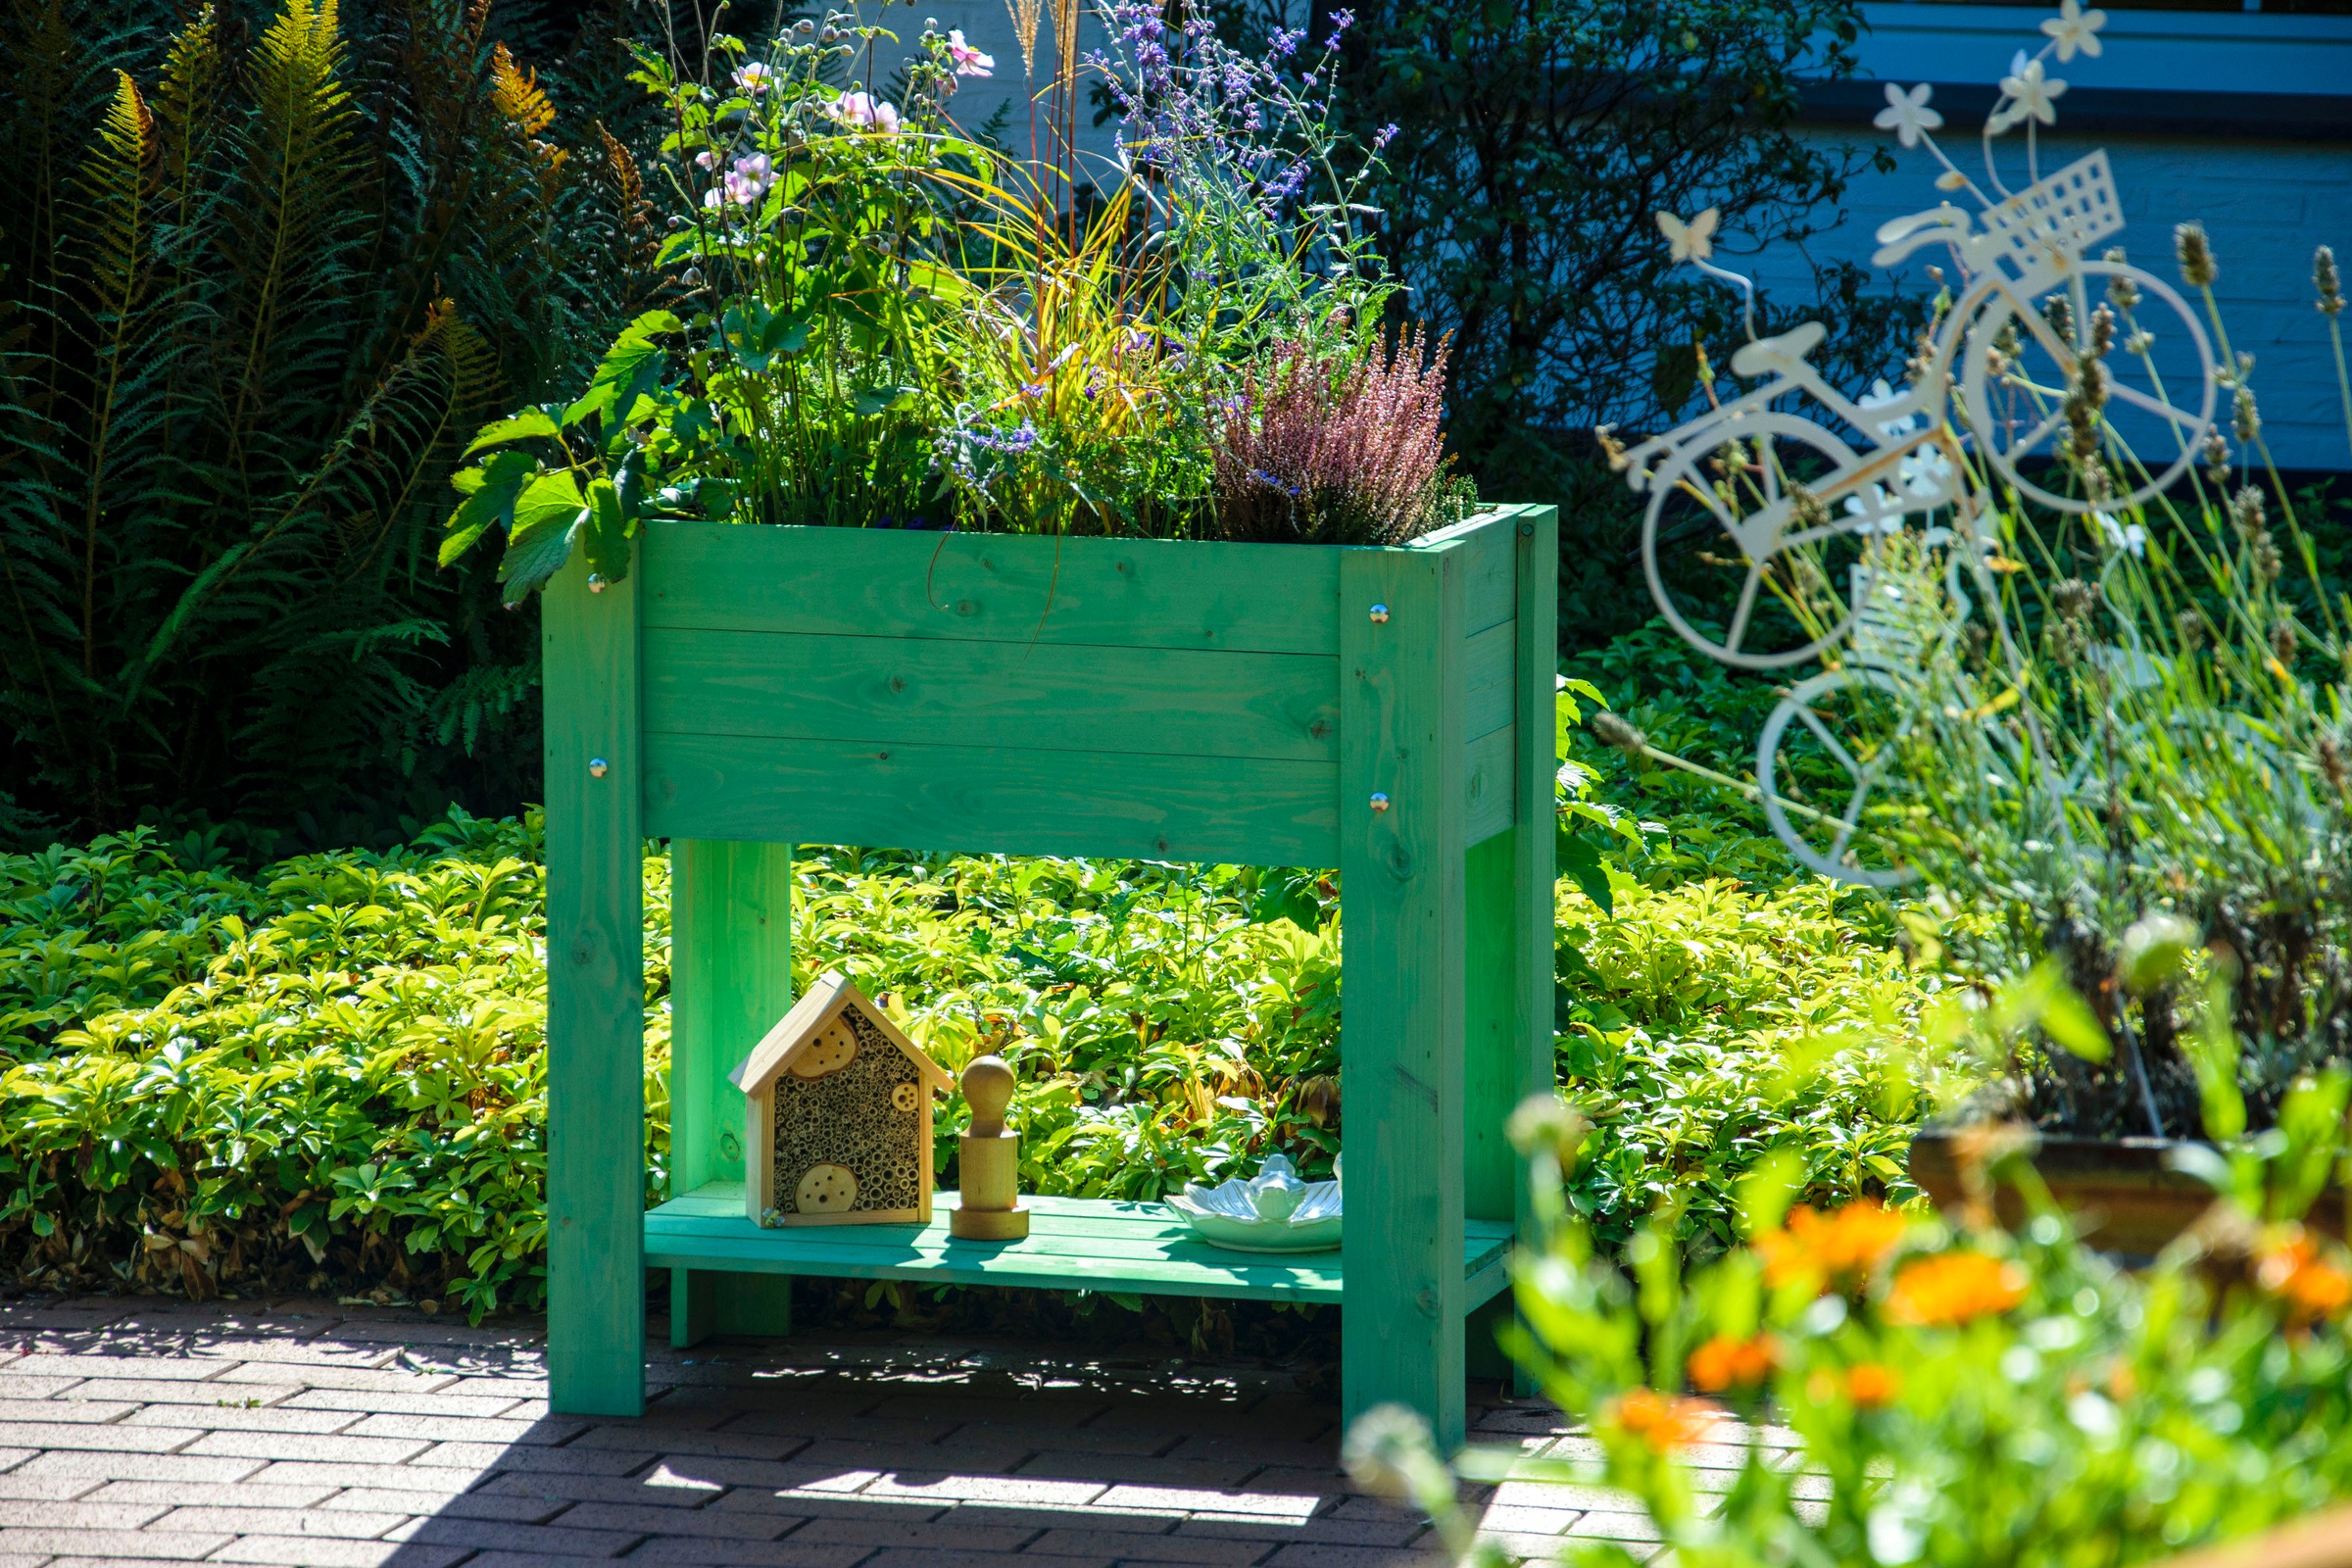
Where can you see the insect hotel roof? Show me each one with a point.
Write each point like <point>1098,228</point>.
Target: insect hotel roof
<point>799,1029</point>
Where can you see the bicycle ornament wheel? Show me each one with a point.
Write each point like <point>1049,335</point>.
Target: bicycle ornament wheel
<point>1787,594</point>
<point>2160,397</point>
<point>1838,845</point>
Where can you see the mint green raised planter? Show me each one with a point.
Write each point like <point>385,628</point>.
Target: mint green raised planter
<point>1387,711</point>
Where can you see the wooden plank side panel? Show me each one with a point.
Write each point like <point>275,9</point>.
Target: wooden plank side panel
<point>1487,679</point>
<point>1209,809</point>
<point>1489,783</point>
<point>1400,878</point>
<point>953,691</point>
<point>1022,590</point>
<point>1535,870</point>
<point>1482,547</point>
<point>595,1000</point>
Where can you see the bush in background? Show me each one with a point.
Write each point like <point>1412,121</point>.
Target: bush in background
<point>261,273</point>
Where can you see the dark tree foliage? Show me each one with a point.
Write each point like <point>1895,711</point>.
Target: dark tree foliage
<point>264,269</point>
<point>1535,140</point>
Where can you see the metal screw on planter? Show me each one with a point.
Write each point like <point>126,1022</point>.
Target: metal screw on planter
<point>596,584</point>
<point>1380,615</point>
<point>1380,803</point>
<point>597,767</point>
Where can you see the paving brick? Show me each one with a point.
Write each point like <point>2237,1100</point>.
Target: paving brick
<point>946,1534</point>
<point>155,1369</point>
<point>1305,1556</point>
<point>212,1494</point>
<point>10,1459</point>
<point>1204,1474</point>
<point>130,1466</point>
<point>1311,1532</point>
<point>1275,1416</point>
<point>726,1445</point>
<point>403,1401</point>
<point>1162,1546</point>
<point>699,1469</point>
<point>388,1477</point>
<point>829,1505</point>
<point>313,1551</point>
<point>99,1438</point>
<point>1527,1521</point>
<point>481,1457</point>
<point>974,1459</point>
<point>653,1519</point>
<point>922,1557</point>
<point>627,1493</point>
<point>130,1544</point>
<point>461,1505</point>
<point>1561,1494</point>
<point>492,1535</point>
<point>34,1516</point>
<point>66,1316</point>
<point>34,1385</point>
<point>795,1421</point>
<point>695,1552</point>
<point>162,1391</point>
<point>1295,1454</point>
<point>348,1523</point>
<point>526,1559</point>
<point>23,1559</point>
<point>47,1489</point>
<point>412,1333</point>
<point>234,1415</point>
<point>357,1379</point>
<point>1297,1507</point>
<point>309,1446</point>
<point>932,1487</point>
<point>453,1428</point>
<point>1609,1526</point>
<point>964,1409</point>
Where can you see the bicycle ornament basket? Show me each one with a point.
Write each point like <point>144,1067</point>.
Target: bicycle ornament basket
<point>2052,221</point>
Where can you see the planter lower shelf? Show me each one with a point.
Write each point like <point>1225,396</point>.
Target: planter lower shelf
<point>2127,1200</point>
<point>1074,1244</point>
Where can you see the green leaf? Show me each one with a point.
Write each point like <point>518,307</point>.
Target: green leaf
<point>1582,863</point>
<point>522,426</point>
<point>490,502</point>
<point>608,532</point>
<point>871,400</point>
<point>630,368</point>
<point>549,516</point>
<point>2068,1021</point>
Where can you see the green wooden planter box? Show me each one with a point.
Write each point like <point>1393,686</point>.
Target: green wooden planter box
<point>1387,711</point>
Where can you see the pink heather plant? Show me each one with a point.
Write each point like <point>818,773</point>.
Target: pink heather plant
<point>1313,452</point>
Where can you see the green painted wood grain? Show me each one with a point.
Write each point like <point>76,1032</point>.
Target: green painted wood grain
<point>954,692</point>
<point>1146,593</point>
<point>982,800</point>
<point>698,1235</point>
<point>1487,679</point>
<point>1536,534</point>
<point>1489,763</point>
<point>1492,1076</point>
<point>595,1000</point>
<point>730,979</point>
<point>1400,1035</point>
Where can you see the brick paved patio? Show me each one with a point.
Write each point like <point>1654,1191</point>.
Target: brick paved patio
<point>144,1431</point>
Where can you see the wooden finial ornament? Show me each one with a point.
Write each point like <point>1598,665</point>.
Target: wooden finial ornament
<point>990,1158</point>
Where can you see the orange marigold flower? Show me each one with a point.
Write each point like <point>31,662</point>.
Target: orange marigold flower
<point>1663,1423</point>
<point>1953,1288</point>
<point>1724,1362</point>
<point>1870,1385</point>
<point>2311,1287</point>
<point>1844,1244</point>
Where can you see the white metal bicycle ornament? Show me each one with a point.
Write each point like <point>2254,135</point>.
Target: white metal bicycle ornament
<point>1782,484</point>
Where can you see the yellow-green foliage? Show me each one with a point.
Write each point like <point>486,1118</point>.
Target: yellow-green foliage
<point>1706,1025</point>
<point>331,1072</point>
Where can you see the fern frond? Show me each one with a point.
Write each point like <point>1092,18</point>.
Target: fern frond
<point>514,93</point>
<point>296,229</point>
<point>186,110</point>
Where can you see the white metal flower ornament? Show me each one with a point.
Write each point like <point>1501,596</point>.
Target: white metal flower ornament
<point>1812,486</point>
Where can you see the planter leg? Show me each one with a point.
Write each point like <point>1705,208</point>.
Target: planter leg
<point>704,1302</point>
<point>1401,886</point>
<point>595,1000</point>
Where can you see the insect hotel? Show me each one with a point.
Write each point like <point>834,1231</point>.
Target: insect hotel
<point>1387,711</point>
<point>838,1116</point>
